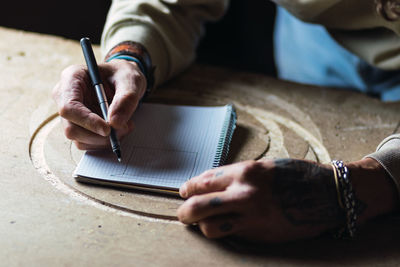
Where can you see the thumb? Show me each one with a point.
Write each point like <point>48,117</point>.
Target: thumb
<point>124,103</point>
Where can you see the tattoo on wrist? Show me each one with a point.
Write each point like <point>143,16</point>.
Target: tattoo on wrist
<point>306,193</point>
<point>215,202</point>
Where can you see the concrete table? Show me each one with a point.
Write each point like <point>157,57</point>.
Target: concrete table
<point>49,219</point>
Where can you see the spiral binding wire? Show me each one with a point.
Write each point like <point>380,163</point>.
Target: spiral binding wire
<point>225,137</point>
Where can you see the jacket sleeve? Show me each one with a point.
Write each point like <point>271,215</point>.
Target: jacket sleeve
<point>169,29</point>
<point>356,25</point>
<point>388,155</point>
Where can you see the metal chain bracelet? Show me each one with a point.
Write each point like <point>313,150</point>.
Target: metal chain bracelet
<point>347,199</point>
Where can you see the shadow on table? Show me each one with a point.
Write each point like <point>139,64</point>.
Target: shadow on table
<point>379,240</point>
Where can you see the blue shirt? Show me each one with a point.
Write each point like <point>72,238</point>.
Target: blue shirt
<point>306,53</point>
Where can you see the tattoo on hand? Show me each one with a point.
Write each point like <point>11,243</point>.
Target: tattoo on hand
<point>306,193</point>
<point>215,202</point>
<point>219,173</point>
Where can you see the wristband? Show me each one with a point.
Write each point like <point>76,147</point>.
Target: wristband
<point>129,58</point>
<point>347,199</point>
<point>137,53</point>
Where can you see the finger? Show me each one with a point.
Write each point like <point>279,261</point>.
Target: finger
<point>199,207</point>
<point>130,85</point>
<point>79,134</point>
<point>86,140</point>
<point>223,225</point>
<point>83,146</point>
<point>69,95</point>
<point>79,114</point>
<point>72,82</point>
<point>210,181</point>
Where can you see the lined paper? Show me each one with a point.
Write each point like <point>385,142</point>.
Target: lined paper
<point>169,145</point>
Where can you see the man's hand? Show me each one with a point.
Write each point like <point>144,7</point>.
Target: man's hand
<point>281,200</point>
<point>270,201</point>
<point>77,103</point>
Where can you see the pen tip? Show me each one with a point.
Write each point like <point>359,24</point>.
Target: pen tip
<point>118,154</point>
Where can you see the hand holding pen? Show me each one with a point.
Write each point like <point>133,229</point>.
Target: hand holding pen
<point>124,85</point>
<point>100,93</point>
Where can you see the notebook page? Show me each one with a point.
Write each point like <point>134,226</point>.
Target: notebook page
<point>169,145</point>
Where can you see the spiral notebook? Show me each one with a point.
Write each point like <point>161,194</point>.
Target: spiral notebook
<point>169,145</point>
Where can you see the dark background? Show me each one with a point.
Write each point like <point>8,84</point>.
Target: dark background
<point>241,40</point>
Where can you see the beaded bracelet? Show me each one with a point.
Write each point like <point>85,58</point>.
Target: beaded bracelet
<point>347,199</point>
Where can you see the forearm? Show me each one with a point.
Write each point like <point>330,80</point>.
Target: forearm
<point>376,179</point>
<point>373,187</point>
<point>169,31</point>
<point>388,155</point>
<point>360,29</point>
<point>354,14</point>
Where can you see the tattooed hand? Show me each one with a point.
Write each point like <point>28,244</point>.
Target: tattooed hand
<point>271,201</point>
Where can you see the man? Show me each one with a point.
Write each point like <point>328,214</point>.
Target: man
<point>275,200</point>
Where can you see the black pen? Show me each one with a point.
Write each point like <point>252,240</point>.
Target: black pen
<point>98,85</point>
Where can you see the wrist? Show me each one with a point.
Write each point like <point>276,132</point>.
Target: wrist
<point>135,53</point>
<point>374,187</point>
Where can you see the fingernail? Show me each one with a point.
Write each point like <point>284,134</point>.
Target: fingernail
<point>183,191</point>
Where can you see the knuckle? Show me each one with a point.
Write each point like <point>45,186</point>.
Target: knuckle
<point>204,183</point>
<point>193,204</point>
<point>245,196</point>
<point>208,173</point>
<point>71,71</point>
<point>197,185</point>
<point>69,131</point>
<point>195,188</point>
<point>250,167</point>
<point>138,78</point>
<point>89,124</point>
<point>65,109</point>
<point>129,96</point>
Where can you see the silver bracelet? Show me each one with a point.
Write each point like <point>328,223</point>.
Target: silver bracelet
<point>347,199</point>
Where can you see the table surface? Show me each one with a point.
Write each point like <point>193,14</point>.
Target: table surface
<point>47,218</point>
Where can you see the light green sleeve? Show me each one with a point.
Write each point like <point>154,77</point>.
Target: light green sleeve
<point>388,155</point>
<point>169,29</point>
